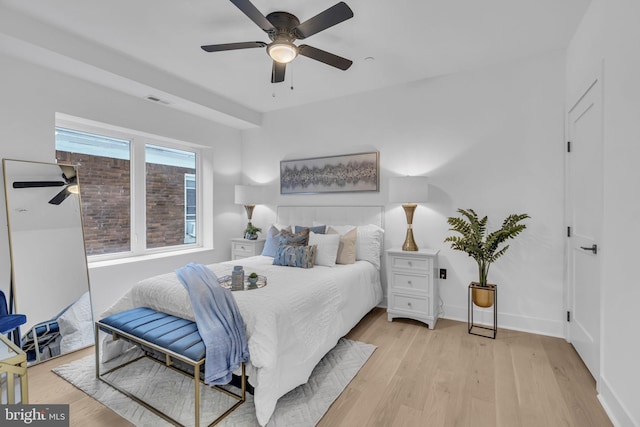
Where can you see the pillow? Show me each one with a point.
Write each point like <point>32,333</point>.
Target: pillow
<point>288,238</point>
<point>327,248</point>
<point>295,256</point>
<point>272,242</point>
<point>281,226</point>
<point>369,244</point>
<point>76,325</point>
<point>318,229</point>
<point>342,229</point>
<point>347,248</point>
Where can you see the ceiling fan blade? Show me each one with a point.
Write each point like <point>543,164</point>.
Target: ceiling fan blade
<point>334,15</point>
<point>326,57</point>
<point>37,184</point>
<point>68,172</point>
<point>277,72</point>
<point>60,197</point>
<point>254,14</point>
<point>232,46</point>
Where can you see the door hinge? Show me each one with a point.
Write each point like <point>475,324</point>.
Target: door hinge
<point>568,316</point>
<point>568,146</point>
<point>568,231</point>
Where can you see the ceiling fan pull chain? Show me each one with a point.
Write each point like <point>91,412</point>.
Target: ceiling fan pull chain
<point>291,73</point>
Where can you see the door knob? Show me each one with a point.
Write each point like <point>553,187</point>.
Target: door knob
<point>593,248</point>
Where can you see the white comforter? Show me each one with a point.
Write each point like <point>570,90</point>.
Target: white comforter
<point>291,323</point>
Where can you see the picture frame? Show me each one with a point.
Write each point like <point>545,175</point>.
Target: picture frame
<point>357,172</point>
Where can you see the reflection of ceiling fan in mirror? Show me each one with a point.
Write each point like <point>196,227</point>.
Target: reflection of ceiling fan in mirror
<point>283,29</point>
<point>70,184</point>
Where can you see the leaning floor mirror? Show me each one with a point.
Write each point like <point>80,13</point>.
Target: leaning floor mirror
<point>50,278</point>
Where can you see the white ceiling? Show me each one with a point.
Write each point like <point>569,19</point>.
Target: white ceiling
<point>152,47</point>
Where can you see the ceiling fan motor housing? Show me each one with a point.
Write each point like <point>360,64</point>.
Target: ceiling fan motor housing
<point>284,24</point>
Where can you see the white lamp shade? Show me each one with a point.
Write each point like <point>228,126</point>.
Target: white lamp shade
<point>249,195</point>
<point>408,189</point>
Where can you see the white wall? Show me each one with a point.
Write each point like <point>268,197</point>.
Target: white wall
<point>490,139</point>
<point>608,37</point>
<point>30,98</point>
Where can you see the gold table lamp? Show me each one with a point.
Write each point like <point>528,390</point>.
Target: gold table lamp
<point>409,190</point>
<point>249,196</point>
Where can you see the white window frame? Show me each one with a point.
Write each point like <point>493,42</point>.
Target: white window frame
<point>138,142</point>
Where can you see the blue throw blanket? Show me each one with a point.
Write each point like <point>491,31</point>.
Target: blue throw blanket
<point>219,323</point>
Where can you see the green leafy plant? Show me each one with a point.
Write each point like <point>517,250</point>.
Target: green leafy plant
<point>252,229</point>
<point>253,275</point>
<point>478,243</point>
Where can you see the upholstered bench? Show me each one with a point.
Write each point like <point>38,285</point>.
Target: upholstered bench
<point>176,339</point>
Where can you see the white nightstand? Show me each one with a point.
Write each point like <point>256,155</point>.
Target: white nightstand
<point>412,285</point>
<point>243,248</point>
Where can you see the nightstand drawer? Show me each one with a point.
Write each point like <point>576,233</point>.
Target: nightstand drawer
<point>413,282</point>
<point>410,263</point>
<point>417,305</point>
<point>241,248</point>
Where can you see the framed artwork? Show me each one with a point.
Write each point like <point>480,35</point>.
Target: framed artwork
<point>331,174</point>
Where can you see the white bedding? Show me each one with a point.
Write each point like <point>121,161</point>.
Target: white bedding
<point>291,323</point>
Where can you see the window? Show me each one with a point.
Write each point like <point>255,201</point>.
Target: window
<point>166,173</point>
<point>104,170</point>
<point>138,194</point>
<point>189,208</point>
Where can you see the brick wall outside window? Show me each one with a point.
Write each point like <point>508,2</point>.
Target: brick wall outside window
<point>105,191</point>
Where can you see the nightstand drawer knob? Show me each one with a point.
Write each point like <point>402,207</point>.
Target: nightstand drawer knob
<point>409,304</point>
<point>243,248</point>
<point>409,282</point>
<point>410,263</point>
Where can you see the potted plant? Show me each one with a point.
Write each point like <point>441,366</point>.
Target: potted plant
<point>251,232</point>
<point>253,278</point>
<point>484,247</point>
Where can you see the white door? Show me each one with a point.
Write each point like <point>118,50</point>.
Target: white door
<point>584,210</point>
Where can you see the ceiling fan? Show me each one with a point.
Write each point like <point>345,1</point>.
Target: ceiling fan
<point>283,29</point>
<point>70,184</point>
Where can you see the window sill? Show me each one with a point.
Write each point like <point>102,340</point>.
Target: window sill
<point>146,257</point>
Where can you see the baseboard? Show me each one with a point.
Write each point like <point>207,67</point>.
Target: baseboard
<point>484,316</point>
<point>617,413</point>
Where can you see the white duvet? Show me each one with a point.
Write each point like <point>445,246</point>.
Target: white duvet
<point>291,323</point>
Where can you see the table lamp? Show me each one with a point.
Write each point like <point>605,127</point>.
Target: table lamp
<point>408,190</point>
<point>249,196</point>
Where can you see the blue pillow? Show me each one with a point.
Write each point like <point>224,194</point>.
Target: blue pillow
<point>273,240</point>
<point>295,256</point>
<point>318,229</point>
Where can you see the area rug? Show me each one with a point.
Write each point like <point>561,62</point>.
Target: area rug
<point>154,383</point>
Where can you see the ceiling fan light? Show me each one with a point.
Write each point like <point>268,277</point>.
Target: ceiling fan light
<point>282,51</point>
<point>73,189</point>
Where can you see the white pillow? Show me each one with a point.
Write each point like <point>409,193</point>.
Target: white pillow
<point>326,248</point>
<point>369,244</point>
<point>342,229</point>
<point>76,325</point>
<point>282,226</point>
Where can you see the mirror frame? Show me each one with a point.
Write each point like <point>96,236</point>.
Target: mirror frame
<point>13,300</point>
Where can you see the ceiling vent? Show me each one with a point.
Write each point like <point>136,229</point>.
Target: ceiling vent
<point>156,99</point>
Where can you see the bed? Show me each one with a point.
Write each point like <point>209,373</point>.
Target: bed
<point>302,312</point>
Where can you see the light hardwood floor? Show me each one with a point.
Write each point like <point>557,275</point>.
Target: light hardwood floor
<point>421,377</point>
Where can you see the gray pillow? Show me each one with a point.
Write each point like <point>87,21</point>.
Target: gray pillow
<point>295,256</point>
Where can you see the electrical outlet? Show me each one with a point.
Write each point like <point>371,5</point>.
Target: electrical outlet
<point>443,273</point>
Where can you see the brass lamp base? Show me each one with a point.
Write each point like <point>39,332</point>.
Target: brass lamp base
<point>249,209</point>
<point>409,242</point>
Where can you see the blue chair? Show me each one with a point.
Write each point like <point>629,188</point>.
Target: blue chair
<point>10,323</point>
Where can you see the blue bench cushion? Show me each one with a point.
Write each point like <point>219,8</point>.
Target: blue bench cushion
<point>170,332</point>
